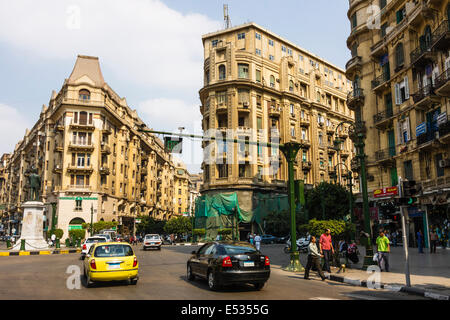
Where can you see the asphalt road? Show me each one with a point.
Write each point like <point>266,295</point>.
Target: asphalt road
<point>162,276</point>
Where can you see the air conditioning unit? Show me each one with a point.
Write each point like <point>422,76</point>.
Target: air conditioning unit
<point>444,163</point>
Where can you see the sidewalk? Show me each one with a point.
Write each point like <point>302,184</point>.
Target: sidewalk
<point>428,272</point>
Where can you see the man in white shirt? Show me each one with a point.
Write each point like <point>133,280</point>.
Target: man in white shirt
<point>313,259</point>
<point>257,242</point>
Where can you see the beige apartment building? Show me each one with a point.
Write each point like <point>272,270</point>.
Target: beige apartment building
<point>181,188</point>
<point>400,69</point>
<point>259,86</point>
<point>93,162</point>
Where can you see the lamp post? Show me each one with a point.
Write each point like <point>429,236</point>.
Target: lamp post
<point>92,218</point>
<point>359,137</point>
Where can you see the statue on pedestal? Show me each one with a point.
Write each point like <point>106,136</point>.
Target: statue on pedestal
<point>34,181</point>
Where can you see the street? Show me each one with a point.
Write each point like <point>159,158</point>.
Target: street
<point>163,277</point>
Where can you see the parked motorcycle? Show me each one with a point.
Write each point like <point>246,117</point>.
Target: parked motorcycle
<point>302,245</point>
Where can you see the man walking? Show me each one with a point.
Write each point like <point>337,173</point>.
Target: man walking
<point>313,259</point>
<point>326,249</point>
<point>383,249</point>
<point>420,241</point>
<point>434,240</point>
<point>257,242</point>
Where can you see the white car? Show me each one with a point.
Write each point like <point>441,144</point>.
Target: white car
<point>89,242</point>
<point>152,241</point>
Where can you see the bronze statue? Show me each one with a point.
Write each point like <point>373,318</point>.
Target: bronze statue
<point>35,185</point>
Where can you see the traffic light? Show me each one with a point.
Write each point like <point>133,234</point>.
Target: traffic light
<point>406,201</point>
<point>410,190</point>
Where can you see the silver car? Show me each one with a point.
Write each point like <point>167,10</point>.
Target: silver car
<point>152,241</point>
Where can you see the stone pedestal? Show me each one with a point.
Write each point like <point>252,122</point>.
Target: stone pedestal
<point>32,227</point>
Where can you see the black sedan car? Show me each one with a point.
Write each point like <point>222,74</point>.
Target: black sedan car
<point>223,263</point>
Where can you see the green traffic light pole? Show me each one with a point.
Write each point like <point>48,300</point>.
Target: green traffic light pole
<point>368,258</point>
<point>290,151</point>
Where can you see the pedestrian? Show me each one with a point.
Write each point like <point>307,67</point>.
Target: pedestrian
<point>326,249</point>
<point>258,242</point>
<point>394,238</point>
<point>434,240</point>
<point>252,239</point>
<point>172,238</point>
<point>420,241</point>
<point>383,249</point>
<point>313,259</point>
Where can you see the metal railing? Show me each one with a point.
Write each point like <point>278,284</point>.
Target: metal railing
<point>442,79</point>
<point>423,92</point>
<point>385,154</point>
<point>383,115</point>
<point>383,78</point>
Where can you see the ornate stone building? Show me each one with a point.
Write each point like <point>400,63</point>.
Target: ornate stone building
<point>91,158</point>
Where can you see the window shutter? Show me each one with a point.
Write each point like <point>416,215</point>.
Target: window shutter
<point>406,88</point>
<point>397,94</point>
<point>399,132</point>
<point>408,128</point>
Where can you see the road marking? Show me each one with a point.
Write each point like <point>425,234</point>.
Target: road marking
<point>362,297</point>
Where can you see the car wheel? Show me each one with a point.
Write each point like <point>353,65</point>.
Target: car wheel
<point>134,281</point>
<point>89,283</point>
<point>189,274</point>
<point>212,282</point>
<point>259,285</point>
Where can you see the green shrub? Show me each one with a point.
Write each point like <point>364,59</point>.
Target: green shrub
<point>225,231</point>
<point>339,229</point>
<point>199,232</point>
<point>77,234</point>
<point>57,232</point>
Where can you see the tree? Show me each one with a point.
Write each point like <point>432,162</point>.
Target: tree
<point>100,225</point>
<point>178,225</point>
<point>339,229</point>
<point>328,201</point>
<point>150,225</point>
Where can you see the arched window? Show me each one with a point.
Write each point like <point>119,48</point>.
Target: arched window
<point>291,86</point>
<point>222,72</point>
<point>399,55</point>
<point>272,81</point>
<point>84,95</point>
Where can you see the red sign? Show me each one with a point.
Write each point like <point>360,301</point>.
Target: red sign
<point>385,192</point>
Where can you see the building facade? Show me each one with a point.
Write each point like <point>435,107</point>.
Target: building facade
<point>93,161</point>
<point>400,68</point>
<point>181,188</point>
<point>259,86</point>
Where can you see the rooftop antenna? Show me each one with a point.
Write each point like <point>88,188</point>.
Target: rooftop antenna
<point>226,17</point>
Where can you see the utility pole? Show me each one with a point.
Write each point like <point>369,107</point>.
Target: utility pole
<point>405,238</point>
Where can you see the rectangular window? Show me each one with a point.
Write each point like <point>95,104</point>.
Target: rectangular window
<point>408,170</point>
<point>270,42</point>
<point>243,70</point>
<point>354,21</point>
<point>439,170</point>
<point>258,75</point>
<point>259,123</point>
<point>283,48</point>
<point>258,52</point>
<point>401,14</point>
<point>289,52</point>
<point>271,57</point>
<point>214,43</point>
<point>241,36</point>
<point>257,36</point>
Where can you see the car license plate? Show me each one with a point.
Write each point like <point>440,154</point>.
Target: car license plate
<point>249,264</point>
<point>114,266</point>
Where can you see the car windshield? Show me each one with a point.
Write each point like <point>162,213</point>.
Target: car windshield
<point>152,237</point>
<point>115,250</point>
<point>93,240</point>
<point>233,250</point>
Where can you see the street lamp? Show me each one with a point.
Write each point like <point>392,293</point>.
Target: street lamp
<point>359,137</point>
<point>92,218</point>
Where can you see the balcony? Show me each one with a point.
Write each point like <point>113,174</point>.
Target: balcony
<point>59,127</point>
<point>331,149</point>
<point>144,171</point>
<point>105,149</point>
<point>82,126</point>
<point>355,99</point>
<point>106,131</point>
<point>104,170</point>
<point>59,148</point>
<point>344,153</point>
<point>383,119</point>
<point>442,84</point>
<point>305,142</point>
<point>306,165</point>
<point>304,122</point>
<point>244,106</point>
<point>221,106</point>
<point>352,66</point>
<point>425,97</point>
<point>57,169</point>
<point>441,37</point>
<point>81,146</point>
<point>381,82</point>
<point>424,139</point>
<point>331,129</point>
<point>422,55</point>
<point>77,169</point>
<point>274,111</point>
<point>385,156</point>
<point>444,132</point>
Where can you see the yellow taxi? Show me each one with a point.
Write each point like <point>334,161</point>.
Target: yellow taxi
<point>110,261</point>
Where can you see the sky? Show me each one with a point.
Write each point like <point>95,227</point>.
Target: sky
<point>150,52</point>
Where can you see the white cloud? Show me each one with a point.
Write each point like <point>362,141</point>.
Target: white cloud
<point>12,128</point>
<point>142,41</point>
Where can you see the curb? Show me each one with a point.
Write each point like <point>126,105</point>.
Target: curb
<point>38,253</point>
<point>410,290</point>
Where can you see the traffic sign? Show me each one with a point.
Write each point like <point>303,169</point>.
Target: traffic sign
<point>173,144</point>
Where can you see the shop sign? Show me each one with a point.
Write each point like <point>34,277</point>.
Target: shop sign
<point>385,192</point>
